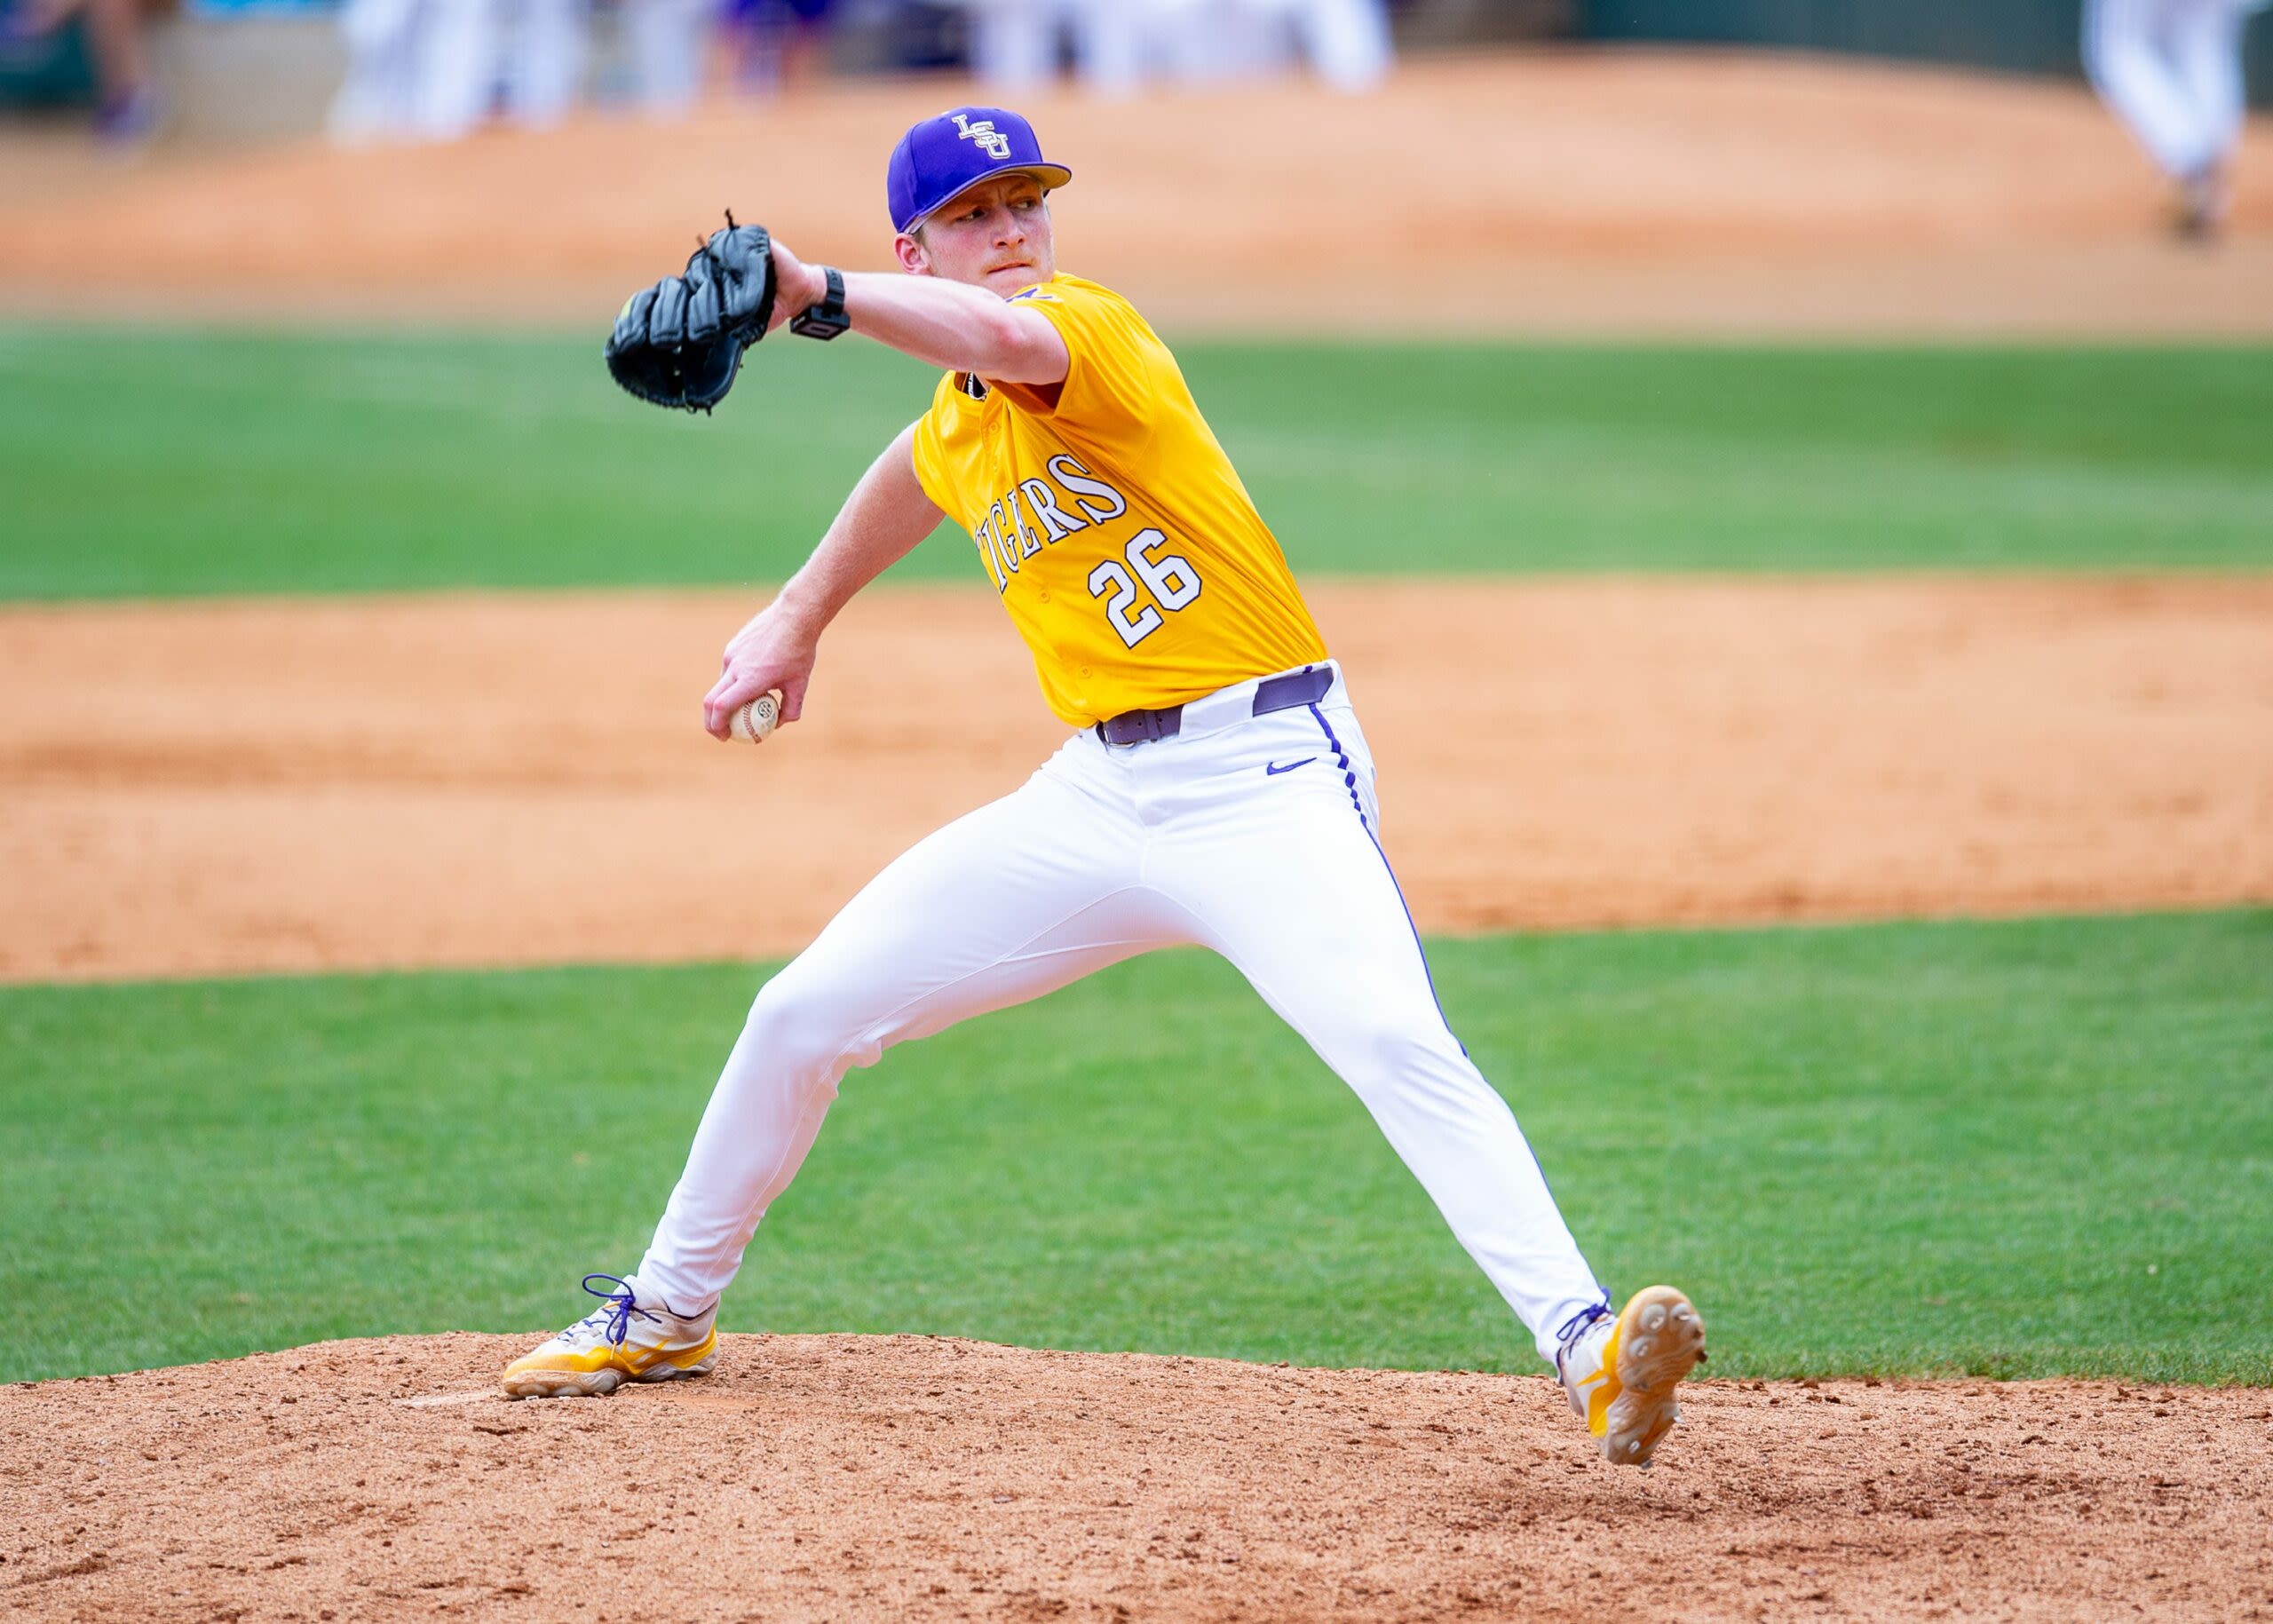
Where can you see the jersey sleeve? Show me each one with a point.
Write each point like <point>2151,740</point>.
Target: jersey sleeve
<point>930,456</point>
<point>1111,348</point>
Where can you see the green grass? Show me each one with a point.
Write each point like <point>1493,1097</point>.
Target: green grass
<point>2004,1149</point>
<point>164,462</point>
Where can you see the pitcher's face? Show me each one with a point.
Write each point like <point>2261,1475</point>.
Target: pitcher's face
<point>995,235</point>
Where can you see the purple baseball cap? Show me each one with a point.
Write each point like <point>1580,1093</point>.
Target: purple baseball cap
<point>941,157</point>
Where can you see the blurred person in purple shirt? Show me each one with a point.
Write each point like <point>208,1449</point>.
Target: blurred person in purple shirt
<point>126,110</point>
<point>778,44</point>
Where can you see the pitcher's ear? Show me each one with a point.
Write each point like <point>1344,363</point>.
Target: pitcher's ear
<point>914,258</point>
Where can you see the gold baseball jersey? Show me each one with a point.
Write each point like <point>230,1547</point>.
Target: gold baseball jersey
<point>1128,554</point>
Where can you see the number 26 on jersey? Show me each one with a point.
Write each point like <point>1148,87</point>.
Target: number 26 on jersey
<point>1168,583</point>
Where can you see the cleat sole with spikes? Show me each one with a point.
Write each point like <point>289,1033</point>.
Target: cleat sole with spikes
<point>1660,1339</point>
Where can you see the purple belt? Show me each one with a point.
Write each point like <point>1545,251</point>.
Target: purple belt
<point>1304,687</point>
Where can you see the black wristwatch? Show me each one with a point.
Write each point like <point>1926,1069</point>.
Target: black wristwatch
<point>826,319</point>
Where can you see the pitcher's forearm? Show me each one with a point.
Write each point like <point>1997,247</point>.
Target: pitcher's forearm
<point>881,523</point>
<point>949,325</point>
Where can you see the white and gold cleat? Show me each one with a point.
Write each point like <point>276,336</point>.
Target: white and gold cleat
<point>631,1338</point>
<point>1621,1373</point>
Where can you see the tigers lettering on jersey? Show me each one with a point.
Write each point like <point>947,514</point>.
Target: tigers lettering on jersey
<point>1009,536</point>
<point>1114,529</point>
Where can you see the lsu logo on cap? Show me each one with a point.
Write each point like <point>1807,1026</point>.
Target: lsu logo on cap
<point>952,151</point>
<point>993,144</point>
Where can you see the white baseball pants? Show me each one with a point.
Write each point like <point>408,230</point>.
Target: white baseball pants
<point>2172,70</point>
<point>665,38</point>
<point>1252,836</point>
<point>1014,42</point>
<point>1346,42</point>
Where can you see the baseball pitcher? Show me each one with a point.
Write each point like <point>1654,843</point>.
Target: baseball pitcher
<point>1215,787</point>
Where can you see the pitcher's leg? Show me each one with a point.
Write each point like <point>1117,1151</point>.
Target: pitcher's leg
<point>1302,900</point>
<point>1002,906</point>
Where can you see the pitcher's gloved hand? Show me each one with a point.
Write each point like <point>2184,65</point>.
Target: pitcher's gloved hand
<point>680,342</point>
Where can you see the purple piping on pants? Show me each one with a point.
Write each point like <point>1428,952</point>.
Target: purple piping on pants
<point>1350,782</point>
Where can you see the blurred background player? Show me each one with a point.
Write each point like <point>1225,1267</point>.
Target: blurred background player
<point>434,70</point>
<point>1345,43</point>
<point>126,106</point>
<point>1014,44</point>
<point>376,99</point>
<point>1118,44</point>
<point>2172,70</point>
<point>437,70</point>
<point>774,45</point>
<point>665,40</point>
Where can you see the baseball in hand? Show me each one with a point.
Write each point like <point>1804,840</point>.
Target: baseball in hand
<point>752,721</point>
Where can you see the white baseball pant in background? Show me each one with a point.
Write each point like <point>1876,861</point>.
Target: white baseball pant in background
<point>1346,42</point>
<point>377,100</point>
<point>1252,836</point>
<point>430,70</point>
<point>2172,70</point>
<point>665,38</point>
<point>1014,42</point>
<point>1118,43</point>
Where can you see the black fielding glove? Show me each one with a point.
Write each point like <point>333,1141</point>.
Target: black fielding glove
<point>680,342</point>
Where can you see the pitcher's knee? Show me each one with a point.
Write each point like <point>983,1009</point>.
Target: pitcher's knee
<point>1378,1059</point>
<point>796,1035</point>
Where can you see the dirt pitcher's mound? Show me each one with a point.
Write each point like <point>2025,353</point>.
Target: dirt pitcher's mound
<point>896,1477</point>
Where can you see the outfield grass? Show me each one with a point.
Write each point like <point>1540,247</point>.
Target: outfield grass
<point>163,462</point>
<point>2002,1149</point>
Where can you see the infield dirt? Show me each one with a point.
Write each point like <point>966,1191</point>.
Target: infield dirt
<point>205,788</point>
<point>909,1477</point>
<point>1626,192</point>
